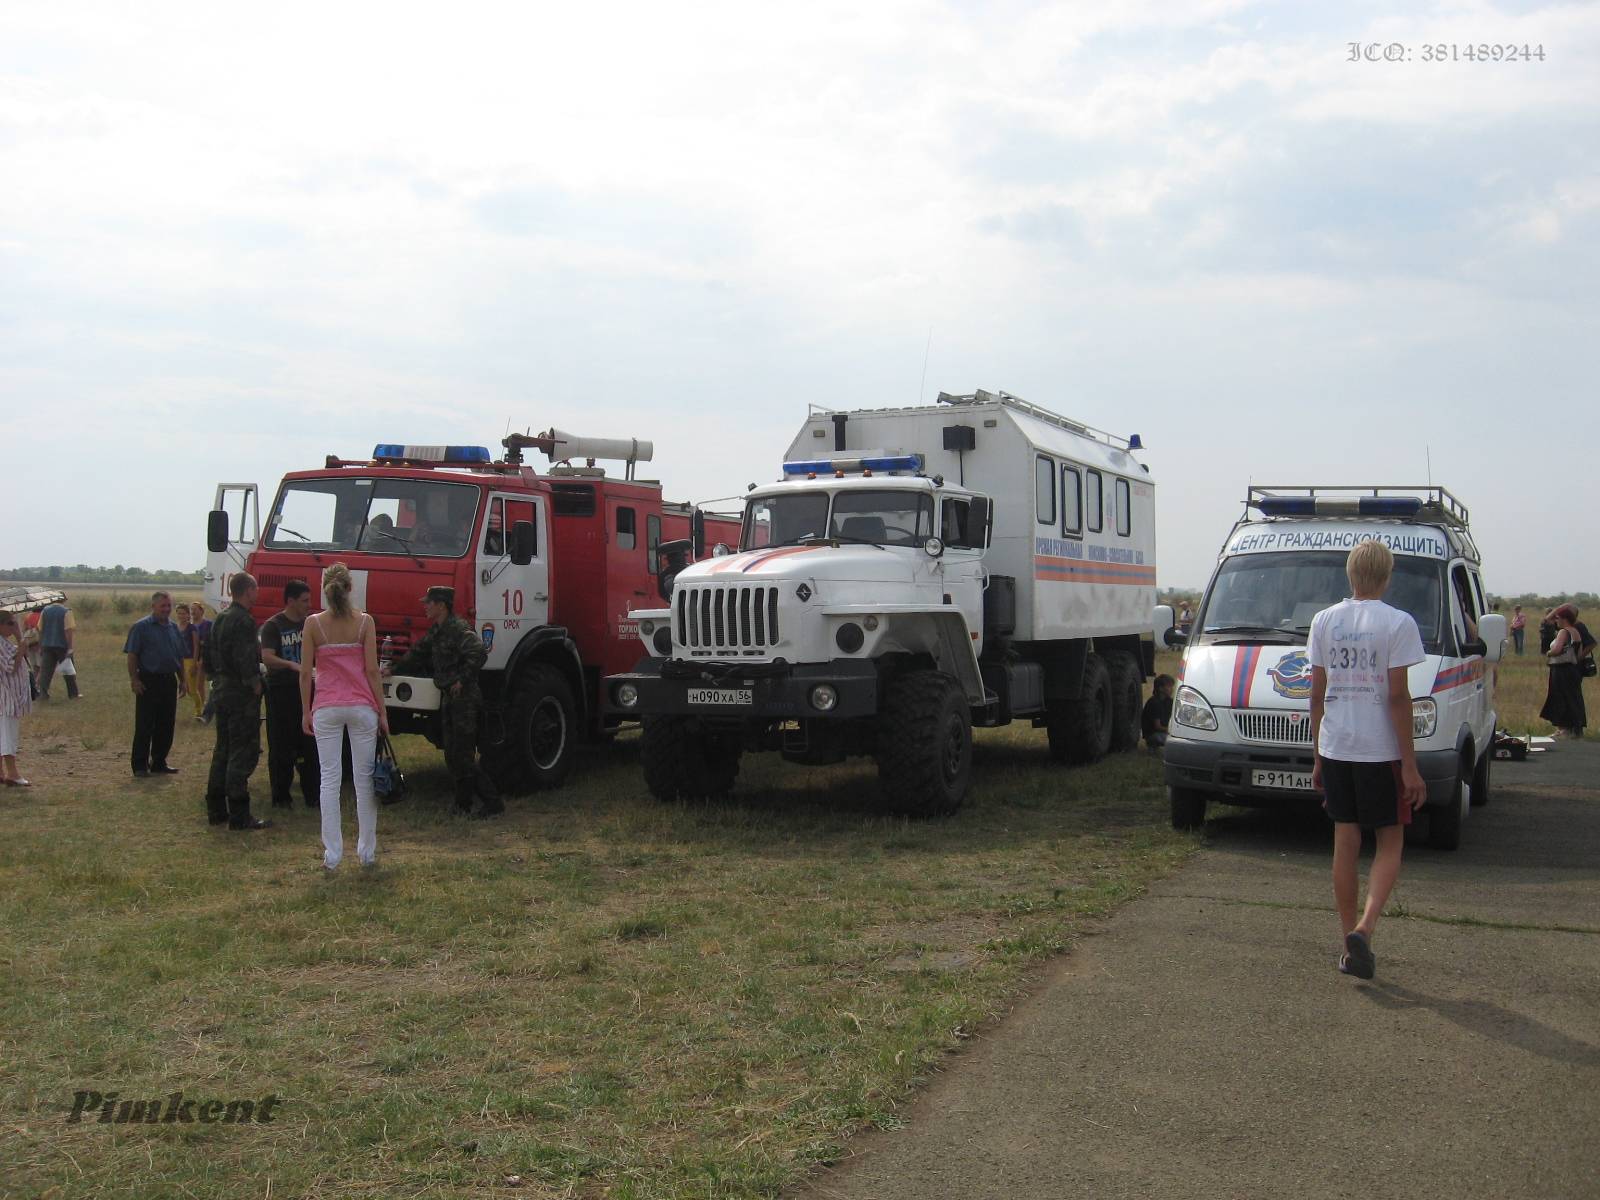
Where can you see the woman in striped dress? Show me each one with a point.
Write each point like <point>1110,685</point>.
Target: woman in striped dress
<point>15,699</point>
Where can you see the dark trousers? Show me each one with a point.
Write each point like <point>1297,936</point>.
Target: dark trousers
<point>51,657</point>
<point>154,714</point>
<point>288,748</point>
<point>234,757</point>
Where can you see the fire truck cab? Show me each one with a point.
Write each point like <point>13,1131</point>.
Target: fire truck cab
<point>545,567</point>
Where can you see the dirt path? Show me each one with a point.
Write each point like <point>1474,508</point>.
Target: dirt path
<point>1203,1045</point>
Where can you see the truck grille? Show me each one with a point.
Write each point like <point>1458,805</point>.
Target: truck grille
<point>1284,729</point>
<point>727,620</point>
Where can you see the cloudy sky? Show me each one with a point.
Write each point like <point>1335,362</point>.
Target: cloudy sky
<point>234,239</point>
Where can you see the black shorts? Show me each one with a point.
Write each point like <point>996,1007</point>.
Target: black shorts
<point>1364,793</point>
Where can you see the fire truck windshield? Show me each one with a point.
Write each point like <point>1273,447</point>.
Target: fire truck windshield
<point>377,516</point>
<point>890,517</point>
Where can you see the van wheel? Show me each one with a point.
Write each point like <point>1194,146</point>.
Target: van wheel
<point>924,747</point>
<point>683,760</point>
<point>1127,702</point>
<point>540,733</point>
<point>1080,730</point>
<point>1444,822</point>
<point>1188,807</point>
<point>1480,778</point>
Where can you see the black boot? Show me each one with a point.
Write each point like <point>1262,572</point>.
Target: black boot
<point>489,802</point>
<point>464,796</point>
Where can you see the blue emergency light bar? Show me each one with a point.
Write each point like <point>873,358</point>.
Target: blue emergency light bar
<point>827,466</point>
<point>1319,506</point>
<point>444,455</point>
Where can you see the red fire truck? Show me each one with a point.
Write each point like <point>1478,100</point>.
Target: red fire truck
<point>545,566</point>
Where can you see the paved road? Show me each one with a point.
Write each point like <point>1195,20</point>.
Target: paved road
<point>1203,1044</point>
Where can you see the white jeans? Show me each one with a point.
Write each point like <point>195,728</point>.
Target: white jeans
<point>330,724</point>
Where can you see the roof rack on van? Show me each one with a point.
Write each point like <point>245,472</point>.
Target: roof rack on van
<point>1425,501</point>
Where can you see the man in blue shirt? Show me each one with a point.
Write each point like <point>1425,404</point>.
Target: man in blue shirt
<point>155,672</point>
<point>56,631</point>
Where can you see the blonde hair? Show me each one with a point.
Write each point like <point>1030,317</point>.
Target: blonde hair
<point>1369,566</point>
<point>336,588</point>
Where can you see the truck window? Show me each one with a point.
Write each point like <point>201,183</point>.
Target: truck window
<point>652,542</point>
<point>891,517</point>
<point>572,500</point>
<point>627,537</point>
<point>1124,508</point>
<point>1092,500</point>
<point>494,529</point>
<point>381,516</point>
<point>1071,501</point>
<point>1044,487</point>
<point>953,524</point>
<point>784,520</point>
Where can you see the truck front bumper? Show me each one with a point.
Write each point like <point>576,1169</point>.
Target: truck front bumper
<point>744,691</point>
<point>1228,768</point>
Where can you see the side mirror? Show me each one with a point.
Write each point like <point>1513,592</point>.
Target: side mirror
<point>216,531</point>
<point>672,557</point>
<point>524,543</point>
<point>1492,636</point>
<point>697,533</point>
<point>1165,629</point>
<point>979,514</point>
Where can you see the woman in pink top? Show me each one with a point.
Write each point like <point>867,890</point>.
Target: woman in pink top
<point>340,652</point>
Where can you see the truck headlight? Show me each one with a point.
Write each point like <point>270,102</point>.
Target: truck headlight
<point>627,695</point>
<point>824,697</point>
<point>646,628</point>
<point>402,692</point>
<point>849,637</point>
<point>1424,717</point>
<point>1192,710</point>
<point>662,641</point>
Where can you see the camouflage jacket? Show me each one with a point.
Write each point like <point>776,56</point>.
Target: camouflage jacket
<point>449,653</point>
<point>234,651</point>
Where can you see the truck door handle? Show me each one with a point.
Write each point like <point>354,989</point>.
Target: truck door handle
<point>541,595</point>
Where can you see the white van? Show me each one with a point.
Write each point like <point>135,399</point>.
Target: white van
<point>1241,719</point>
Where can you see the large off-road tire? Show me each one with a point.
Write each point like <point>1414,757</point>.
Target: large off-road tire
<point>1188,807</point>
<point>683,760</point>
<point>1480,777</point>
<point>924,751</point>
<point>1080,730</point>
<point>540,733</point>
<point>1444,821</point>
<point>1127,702</point>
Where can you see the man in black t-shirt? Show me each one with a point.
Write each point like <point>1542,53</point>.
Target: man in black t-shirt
<point>288,746</point>
<point>1157,713</point>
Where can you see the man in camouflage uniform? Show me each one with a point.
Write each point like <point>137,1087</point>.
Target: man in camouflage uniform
<point>452,655</point>
<point>234,657</point>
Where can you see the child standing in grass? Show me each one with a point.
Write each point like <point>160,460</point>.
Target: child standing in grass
<point>1361,727</point>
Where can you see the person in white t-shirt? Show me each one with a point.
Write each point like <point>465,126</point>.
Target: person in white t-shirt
<point>1366,763</point>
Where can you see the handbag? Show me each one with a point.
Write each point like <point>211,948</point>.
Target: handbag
<point>1586,668</point>
<point>388,781</point>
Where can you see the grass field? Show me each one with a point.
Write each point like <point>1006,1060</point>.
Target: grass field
<point>596,995</point>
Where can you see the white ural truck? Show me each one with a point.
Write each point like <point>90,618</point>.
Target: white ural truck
<point>1241,721</point>
<point>916,572</point>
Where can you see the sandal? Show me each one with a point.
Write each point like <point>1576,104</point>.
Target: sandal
<point>1358,959</point>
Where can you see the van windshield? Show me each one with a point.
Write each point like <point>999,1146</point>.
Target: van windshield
<point>381,516</point>
<point>1278,594</point>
